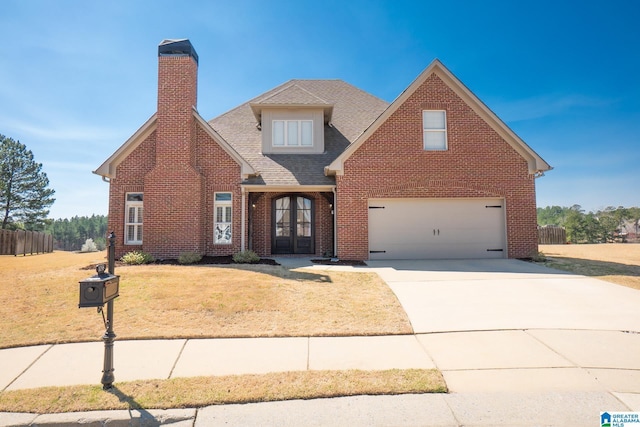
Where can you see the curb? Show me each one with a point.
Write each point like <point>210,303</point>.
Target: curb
<point>119,418</point>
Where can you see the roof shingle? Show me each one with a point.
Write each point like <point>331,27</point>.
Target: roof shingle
<point>353,111</point>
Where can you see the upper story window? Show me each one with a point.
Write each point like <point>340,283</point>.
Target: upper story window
<point>434,126</point>
<point>292,133</point>
<point>133,219</point>
<point>222,228</point>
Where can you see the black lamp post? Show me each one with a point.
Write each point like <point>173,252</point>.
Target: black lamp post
<point>109,336</point>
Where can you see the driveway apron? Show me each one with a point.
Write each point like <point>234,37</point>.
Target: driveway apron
<point>475,295</point>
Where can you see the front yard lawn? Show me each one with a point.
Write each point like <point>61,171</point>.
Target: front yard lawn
<point>39,302</point>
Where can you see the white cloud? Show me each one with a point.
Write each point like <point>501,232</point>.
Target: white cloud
<point>59,130</point>
<point>545,106</point>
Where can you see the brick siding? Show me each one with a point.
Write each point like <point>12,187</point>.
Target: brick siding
<point>179,168</point>
<point>477,163</point>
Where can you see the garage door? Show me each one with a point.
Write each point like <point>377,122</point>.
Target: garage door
<point>436,228</point>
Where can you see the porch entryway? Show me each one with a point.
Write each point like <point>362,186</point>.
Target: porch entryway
<point>293,228</point>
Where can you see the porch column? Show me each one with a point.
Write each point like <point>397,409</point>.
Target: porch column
<point>335,223</point>
<point>242,219</point>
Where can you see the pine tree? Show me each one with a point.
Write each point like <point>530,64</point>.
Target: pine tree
<point>24,192</point>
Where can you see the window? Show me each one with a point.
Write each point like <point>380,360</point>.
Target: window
<point>292,133</point>
<point>223,207</point>
<point>133,219</point>
<point>434,124</point>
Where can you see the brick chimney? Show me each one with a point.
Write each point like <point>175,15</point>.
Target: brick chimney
<point>173,195</point>
<point>177,96</point>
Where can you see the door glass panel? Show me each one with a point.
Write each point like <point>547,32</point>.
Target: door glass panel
<point>283,215</point>
<point>303,217</point>
<point>304,229</point>
<point>283,203</point>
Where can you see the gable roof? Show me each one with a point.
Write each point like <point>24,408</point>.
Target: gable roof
<point>353,111</point>
<point>292,96</point>
<point>536,164</point>
<point>109,167</point>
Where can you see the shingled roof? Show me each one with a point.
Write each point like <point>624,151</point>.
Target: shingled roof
<point>351,110</point>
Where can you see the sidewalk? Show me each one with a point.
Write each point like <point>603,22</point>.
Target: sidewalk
<point>559,372</point>
<point>485,361</point>
<point>512,375</point>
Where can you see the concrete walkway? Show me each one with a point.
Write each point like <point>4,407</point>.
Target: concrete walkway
<point>518,344</point>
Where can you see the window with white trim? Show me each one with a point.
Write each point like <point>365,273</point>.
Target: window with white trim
<point>292,133</point>
<point>223,204</point>
<point>434,126</point>
<point>133,219</point>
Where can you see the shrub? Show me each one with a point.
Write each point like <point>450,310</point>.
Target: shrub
<point>89,246</point>
<point>538,257</point>
<point>246,257</point>
<point>137,258</point>
<point>101,243</point>
<point>189,257</point>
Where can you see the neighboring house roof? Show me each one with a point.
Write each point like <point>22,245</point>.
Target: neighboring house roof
<point>353,111</point>
<point>109,167</point>
<point>536,164</point>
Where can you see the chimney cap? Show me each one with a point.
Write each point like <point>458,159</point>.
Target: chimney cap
<point>177,47</point>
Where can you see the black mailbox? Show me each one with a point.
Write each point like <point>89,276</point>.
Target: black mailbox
<point>98,290</point>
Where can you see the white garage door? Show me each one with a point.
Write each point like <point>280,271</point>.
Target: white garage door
<point>436,228</point>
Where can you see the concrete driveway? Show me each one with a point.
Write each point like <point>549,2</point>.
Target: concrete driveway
<point>482,295</point>
<point>508,326</point>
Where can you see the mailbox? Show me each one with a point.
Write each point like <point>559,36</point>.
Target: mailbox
<point>98,290</point>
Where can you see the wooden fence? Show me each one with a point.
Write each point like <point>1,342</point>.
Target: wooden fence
<point>21,242</point>
<point>552,235</point>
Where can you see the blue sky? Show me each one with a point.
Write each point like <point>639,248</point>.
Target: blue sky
<point>77,78</point>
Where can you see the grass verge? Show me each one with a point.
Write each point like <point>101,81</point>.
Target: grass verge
<point>205,391</point>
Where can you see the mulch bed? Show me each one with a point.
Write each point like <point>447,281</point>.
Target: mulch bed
<point>215,260</point>
<point>327,261</point>
<point>212,260</point>
<point>206,260</point>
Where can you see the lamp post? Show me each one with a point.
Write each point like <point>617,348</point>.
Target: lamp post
<point>109,336</point>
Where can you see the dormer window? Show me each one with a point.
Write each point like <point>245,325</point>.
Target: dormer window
<point>292,133</point>
<point>292,120</point>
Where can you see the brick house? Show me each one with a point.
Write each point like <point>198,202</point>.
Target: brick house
<point>319,167</point>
